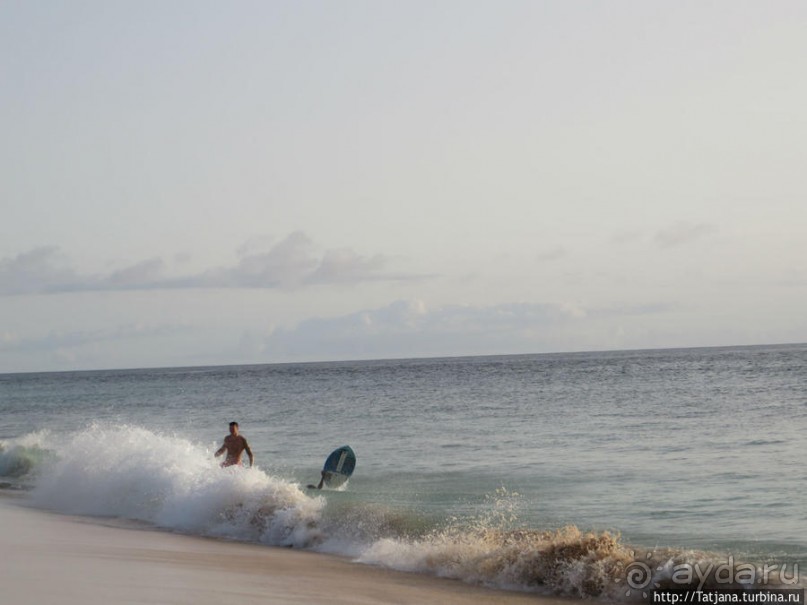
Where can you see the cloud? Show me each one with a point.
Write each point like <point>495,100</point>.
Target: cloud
<point>411,329</point>
<point>136,276</point>
<point>345,266</point>
<point>39,270</point>
<point>683,232</point>
<point>285,264</point>
<point>635,310</point>
<point>292,262</point>
<point>255,244</point>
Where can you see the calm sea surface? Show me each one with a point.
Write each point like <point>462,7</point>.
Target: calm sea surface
<point>695,450</point>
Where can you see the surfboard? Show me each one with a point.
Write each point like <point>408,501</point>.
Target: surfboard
<point>338,467</point>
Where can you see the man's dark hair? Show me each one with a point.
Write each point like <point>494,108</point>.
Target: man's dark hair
<point>233,423</point>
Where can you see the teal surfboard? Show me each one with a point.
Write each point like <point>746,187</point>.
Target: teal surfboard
<point>338,468</point>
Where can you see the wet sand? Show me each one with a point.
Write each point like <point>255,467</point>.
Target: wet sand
<point>57,559</point>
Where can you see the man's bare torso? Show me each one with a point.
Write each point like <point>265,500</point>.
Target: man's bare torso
<point>235,445</point>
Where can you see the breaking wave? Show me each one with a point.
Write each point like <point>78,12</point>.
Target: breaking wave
<point>22,457</point>
<point>134,473</point>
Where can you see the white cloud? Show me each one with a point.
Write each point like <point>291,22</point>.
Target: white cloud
<point>411,329</point>
<point>345,266</point>
<point>42,269</point>
<point>292,262</point>
<point>255,244</point>
<point>285,264</point>
<point>634,310</point>
<point>136,276</point>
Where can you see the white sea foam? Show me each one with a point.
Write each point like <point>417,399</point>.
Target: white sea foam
<point>134,473</point>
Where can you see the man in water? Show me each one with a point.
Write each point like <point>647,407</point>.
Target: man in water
<point>235,445</point>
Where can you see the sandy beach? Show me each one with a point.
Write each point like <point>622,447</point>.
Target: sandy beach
<point>57,559</point>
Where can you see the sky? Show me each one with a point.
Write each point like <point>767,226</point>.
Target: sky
<point>197,183</point>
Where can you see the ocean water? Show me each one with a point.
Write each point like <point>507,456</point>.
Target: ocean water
<point>556,473</point>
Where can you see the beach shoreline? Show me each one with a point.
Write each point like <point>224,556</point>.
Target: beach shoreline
<point>54,558</point>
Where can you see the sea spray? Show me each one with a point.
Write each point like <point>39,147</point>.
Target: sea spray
<point>488,549</point>
<point>134,473</point>
<point>570,562</point>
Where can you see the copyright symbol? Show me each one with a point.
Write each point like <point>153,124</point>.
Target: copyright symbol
<point>638,575</point>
